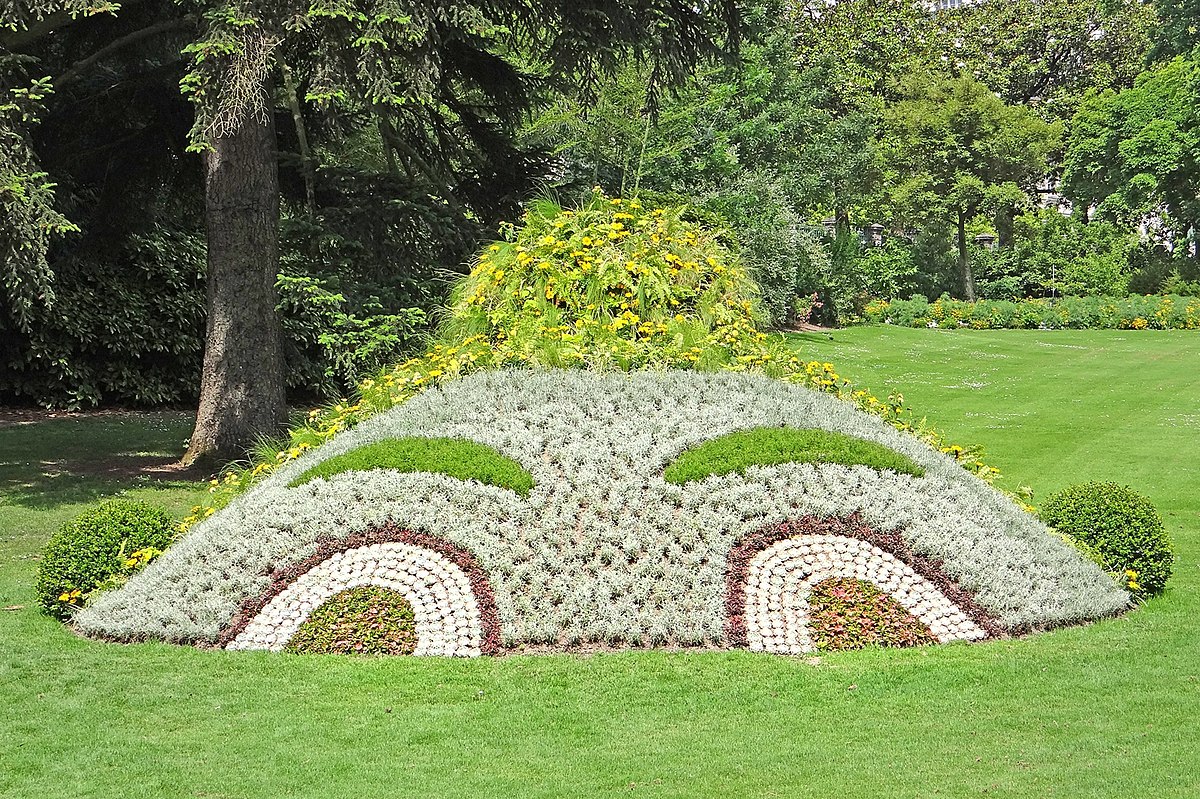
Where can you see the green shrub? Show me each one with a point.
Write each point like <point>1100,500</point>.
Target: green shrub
<point>1121,526</point>
<point>99,549</point>
<point>768,446</point>
<point>1052,254</point>
<point>1134,312</point>
<point>360,621</point>
<point>781,252</point>
<point>464,460</point>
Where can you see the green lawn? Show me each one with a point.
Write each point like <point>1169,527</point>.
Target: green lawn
<point>1105,711</point>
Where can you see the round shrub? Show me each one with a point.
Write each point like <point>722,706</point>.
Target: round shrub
<point>89,551</point>
<point>360,621</point>
<point>1121,526</point>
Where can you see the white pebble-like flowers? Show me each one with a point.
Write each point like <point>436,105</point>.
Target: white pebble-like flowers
<point>781,577</point>
<point>445,613</point>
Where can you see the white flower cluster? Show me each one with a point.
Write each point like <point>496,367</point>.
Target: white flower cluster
<point>782,577</point>
<point>445,612</point>
<point>603,549</point>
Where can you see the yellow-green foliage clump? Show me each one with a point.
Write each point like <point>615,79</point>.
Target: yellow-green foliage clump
<point>608,285</point>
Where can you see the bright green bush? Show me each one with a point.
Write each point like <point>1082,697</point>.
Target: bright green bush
<point>1118,524</point>
<point>465,460</point>
<point>1134,312</point>
<point>360,621</point>
<point>99,549</point>
<point>769,446</point>
<point>1052,254</point>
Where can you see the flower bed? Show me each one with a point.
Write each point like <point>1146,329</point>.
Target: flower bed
<point>1123,313</point>
<point>604,551</point>
<point>773,572</point>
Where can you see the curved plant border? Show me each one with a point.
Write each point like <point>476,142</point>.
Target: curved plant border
<point>743,551</point>
<point>389,532</point>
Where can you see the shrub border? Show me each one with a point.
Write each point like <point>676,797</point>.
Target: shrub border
<point>388,532</point>
<point>737,568</point>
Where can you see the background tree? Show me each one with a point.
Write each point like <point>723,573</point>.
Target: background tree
<point>958,148</point>
<point>1047,54</point>
<point>1179,29</point>
<point>1134,155</point>
<point>438,68</point>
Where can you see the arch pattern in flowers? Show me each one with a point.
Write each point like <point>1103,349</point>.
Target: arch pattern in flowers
<point>772,573</point>
<point>453,607</point>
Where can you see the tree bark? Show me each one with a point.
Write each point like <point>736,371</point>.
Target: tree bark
<point>1005,220</point>
<point>308,167</point>
<point>964,263</point>
<point>242,387</point>
<point>841,220</point>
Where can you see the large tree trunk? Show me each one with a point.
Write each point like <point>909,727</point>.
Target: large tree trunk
<point>964,263</point>
<point>242,387</point>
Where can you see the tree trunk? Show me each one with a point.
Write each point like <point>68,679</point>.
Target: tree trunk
<point>242,387</point>
<point>308,164</point>
<point>1005,220</point>
<point>841,221</point>
<point>964,263</point>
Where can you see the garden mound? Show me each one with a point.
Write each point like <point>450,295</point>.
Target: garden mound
<point>572,538</point>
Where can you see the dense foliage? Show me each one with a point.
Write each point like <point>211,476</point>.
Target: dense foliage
<point>770,446</point>
<point>100,549</point>
<point>1125,313</point>
<point>854,154</point>
<point>463,460</point>
<point>609,285</point>
<point>1051,254</point>
<point>359,621</point>
<point>1120,525</point>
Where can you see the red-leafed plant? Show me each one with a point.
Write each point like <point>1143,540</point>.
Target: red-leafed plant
<point>845,613</point>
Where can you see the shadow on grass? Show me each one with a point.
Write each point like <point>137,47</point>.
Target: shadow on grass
<point>53,461</point>
<point>54,487</point>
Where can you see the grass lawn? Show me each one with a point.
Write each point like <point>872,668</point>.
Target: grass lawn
<point>1109,710</point>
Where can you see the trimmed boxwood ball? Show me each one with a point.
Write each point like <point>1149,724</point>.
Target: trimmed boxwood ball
<point>1120,525</point>
<point>770,446</point>
<point>361,621</point>
<point>92,548</point>
<point>464,460</point>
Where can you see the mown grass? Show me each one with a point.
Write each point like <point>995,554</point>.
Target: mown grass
<point>1107,710</point>
<point>769,446</point>
<point>464,460</point>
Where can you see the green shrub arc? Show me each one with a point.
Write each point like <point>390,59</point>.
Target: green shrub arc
<point>453,457</point>
<point>772,446</point>
<point>368,620</point>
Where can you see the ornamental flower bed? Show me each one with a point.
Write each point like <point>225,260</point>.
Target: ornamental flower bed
<point>1098,313</point>
<point>602,550</point>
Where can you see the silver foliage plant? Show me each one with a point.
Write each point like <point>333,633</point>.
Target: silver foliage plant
<point>603,550</point>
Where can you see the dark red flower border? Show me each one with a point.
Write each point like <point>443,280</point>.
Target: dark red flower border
<point>387,533</point>
<point>737,567</point>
